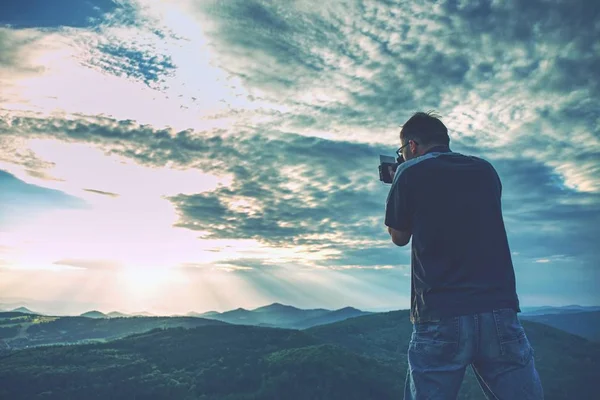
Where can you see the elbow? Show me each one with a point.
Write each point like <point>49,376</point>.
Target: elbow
<point>400,243</point>
<point>399,238</point>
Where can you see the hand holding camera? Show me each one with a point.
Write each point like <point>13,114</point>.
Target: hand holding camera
<point>387,167</point>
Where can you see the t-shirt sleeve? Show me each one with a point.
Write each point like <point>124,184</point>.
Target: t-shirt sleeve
<point>496,178</point>
<point>398,211</point>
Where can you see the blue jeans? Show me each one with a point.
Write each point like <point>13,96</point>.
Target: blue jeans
<point>493,343</point>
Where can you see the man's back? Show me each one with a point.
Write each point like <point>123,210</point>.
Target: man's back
<point>463,299</point>
<point>461,262</point>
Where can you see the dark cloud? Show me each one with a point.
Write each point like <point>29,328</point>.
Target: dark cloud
<point>330,180</point>
<point>100,192</point>
<point>543,216</point>
<point>56,13</point>
<point>527,20</point>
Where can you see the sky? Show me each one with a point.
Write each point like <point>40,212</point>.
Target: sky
<point>176,156</point>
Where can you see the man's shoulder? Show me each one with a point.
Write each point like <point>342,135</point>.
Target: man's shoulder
<point>430,162</point>
<point>451,158</point>
<point>445,164</point>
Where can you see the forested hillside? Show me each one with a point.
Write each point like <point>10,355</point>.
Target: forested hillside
<point>359,358</point>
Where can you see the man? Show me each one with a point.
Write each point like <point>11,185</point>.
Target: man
<point>463,298</point>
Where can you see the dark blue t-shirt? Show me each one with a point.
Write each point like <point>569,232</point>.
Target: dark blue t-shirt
<point>461,262</point>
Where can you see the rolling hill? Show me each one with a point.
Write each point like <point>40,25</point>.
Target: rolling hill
<point>357,358</point>
<point>211,362</point>
<point>585,324</point>
<point>567,364</point>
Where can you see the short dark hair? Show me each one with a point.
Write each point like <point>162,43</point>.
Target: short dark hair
<point>425,128</point>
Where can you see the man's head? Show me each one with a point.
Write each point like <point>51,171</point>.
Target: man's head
<point>422,132</point>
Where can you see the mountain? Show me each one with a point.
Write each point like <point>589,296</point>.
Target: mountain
<point>357,358</point>
<point>116,314</point>
<point>331,317</point>
<point>544,310</point>
<point>26,330</point>
<point>283,316</point>
<point>142,314</point>
<point>94,314</point>
<point>584,324</point>
<point>193,314</point>
<point>24,310</point>
<point>209,314</point>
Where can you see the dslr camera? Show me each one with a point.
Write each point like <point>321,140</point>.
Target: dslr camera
<point>384,163</point>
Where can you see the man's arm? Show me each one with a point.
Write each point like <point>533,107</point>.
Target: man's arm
<point>398,212</point>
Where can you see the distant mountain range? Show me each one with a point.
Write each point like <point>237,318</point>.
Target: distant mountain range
<point>20,329</point>
<point>272,315</point>
<point>283,316</point>
<point>114,314</point>
<point>580,320</point>
<point>543,310</point>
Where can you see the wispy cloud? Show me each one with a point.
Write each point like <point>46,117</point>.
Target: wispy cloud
<point>89,264</point>
<point>100,192</point>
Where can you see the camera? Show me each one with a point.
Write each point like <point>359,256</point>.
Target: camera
<point>384,163</point>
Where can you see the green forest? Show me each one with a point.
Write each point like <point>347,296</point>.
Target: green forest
<point>358,358</point>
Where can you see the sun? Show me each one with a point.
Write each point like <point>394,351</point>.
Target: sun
<point>141,283</point>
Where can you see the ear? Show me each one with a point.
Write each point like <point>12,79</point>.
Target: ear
<point>413,147</point>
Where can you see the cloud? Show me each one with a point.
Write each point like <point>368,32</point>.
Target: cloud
<point>319,195</point>
<point>543,215</point>
<point>89,264</point>
<point>498,81</point>
<point>109,194</point>
<point>289,191</point>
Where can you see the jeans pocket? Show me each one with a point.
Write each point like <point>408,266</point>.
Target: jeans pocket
<point>433,350</point>
<point>436,339</point>
<point>517,351</point>
<point>514,345</point>
<point>508,326</point>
